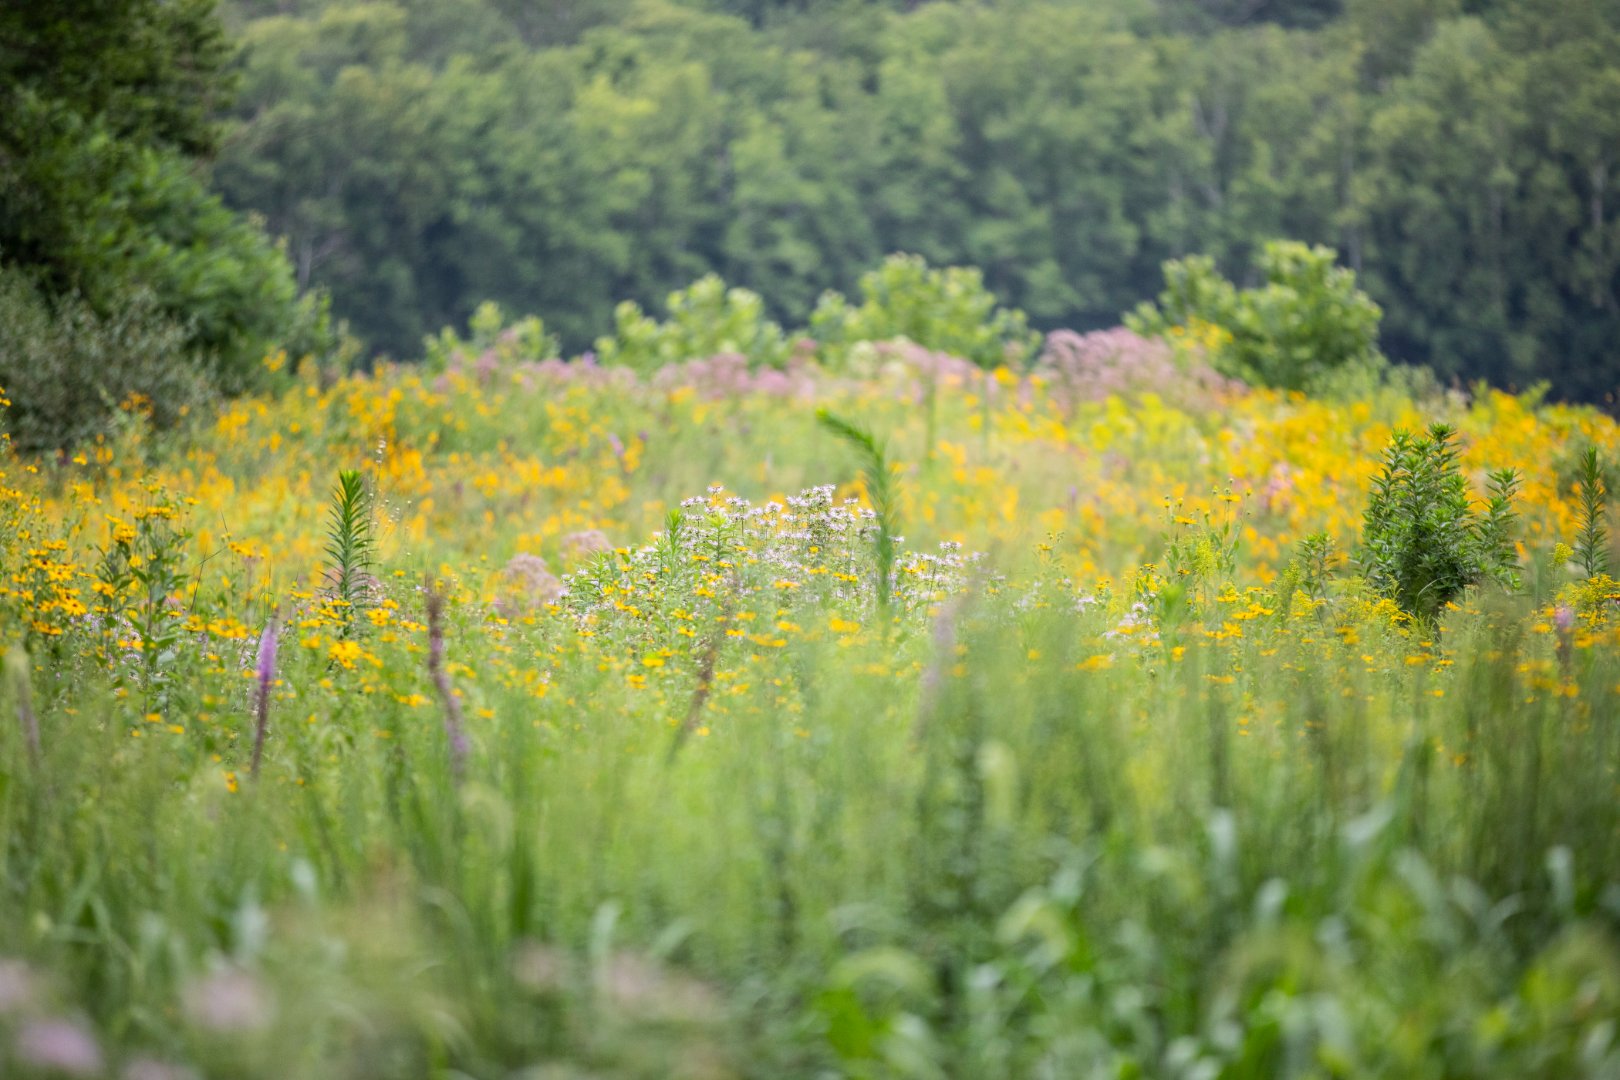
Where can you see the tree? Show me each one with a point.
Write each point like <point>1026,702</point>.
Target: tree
<point>421,156</point>
<point>1454,209</point>
<point>105,108</point>
<point>1307,321</point>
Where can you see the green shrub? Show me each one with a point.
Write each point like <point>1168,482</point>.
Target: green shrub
<point>705,319</point>
<point>124,275</point>
<point>490,335</point>
<point>67,369</point>
<point>1423,542</point>
<point>89,215</point>
<point>948,310</point>
<point>211,268</point>
<point>1307,323</point>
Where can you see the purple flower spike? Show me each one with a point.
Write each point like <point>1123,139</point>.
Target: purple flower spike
<point>59,1045</point>
<point>266,670</point>
<point>267,653</point>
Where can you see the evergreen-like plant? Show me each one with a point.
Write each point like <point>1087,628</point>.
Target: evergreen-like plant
<point>1423,542</point>
<point>1592,544</point>
<point>879,488</point>
<point>349,544</point>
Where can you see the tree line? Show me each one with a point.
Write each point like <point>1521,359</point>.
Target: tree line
<point>414,158</point>
<point>423,155</point>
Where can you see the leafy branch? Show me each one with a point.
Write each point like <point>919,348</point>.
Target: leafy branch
<point>349,544</point>
<point>1592,545</point>
<point>880,490</point>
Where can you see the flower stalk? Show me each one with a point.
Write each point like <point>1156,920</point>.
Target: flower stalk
<point>265,671</point>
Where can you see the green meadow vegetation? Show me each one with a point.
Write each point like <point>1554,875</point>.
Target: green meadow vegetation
<point>976,727</point>
<point>865,676</point>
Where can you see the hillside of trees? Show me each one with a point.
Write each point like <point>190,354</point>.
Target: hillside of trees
<point>187,186</point>
<point>421,156</point>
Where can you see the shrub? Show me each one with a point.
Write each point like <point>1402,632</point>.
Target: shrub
<point>706,319</point>
<point>67,369</point>
<point>125,274</point>
<point>115,220</point>
<point>948,310</point>
<point>213,269</point>
<point>492,343</point>
<point>1423,543</point>
<point>1306,323</point>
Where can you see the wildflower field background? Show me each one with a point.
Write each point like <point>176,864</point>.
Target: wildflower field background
<point>617,743</point>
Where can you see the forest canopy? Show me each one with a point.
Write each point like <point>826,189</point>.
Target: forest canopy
<point>417,158</point>
<point>421,156</point>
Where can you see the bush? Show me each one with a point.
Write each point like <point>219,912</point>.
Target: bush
<point>492,343</point>
<point>706,319</point>
<point>117,256</point>
<point>67,370</point>
<point>946,310</point>
<point>1308,321</point>
<point>89,215</point>
<point>1423,543</point>
<point>214,269</point>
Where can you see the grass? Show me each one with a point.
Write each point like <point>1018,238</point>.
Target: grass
<point>1098,790</point>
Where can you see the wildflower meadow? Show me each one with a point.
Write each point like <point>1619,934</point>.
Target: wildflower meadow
<point>1083,715</point>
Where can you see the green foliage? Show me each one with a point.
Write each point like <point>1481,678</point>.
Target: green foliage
<point>948,310</point>
<point>140,570</point>
<point>349,547</point>
<point>103,112</point>
<point>491,339</point>
<point>420,158</point>
<point>705,319</point>
<point>1310,570</point>
<point>1200,554</point>
<point>1423,543</point>
<point>1592,540</point>
<point>71,373</point>
<point>212,269</point>
<point>1306,324</point>
<point>102,219</point>
<point>151,70</point>
<point>880,489</point>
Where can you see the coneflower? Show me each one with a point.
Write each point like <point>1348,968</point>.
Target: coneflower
<point>266,671</point>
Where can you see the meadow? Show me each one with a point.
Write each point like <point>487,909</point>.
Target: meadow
<point>501,718</point>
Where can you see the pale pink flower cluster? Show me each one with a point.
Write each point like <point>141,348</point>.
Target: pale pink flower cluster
<point>1107,363</point>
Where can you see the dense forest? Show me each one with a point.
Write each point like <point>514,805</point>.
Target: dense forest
<point>414,158</point>
<point>421,156</point>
